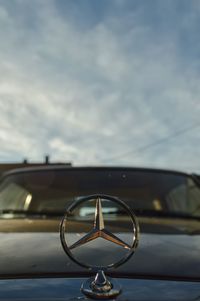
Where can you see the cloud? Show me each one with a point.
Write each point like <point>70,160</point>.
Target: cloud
<point>93,88</point>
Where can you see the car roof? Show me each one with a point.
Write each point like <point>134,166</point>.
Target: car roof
<point>91,168</point>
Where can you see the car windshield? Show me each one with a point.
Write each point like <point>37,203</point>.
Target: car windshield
<point>146,192</point>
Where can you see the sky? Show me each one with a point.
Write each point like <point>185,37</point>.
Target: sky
<point>101,82</point>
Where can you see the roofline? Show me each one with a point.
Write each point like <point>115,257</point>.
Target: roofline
<point>68,167</point>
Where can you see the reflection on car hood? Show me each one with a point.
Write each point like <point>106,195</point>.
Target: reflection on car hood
<point>41,254</point>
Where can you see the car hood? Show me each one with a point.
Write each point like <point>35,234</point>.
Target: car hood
<point>69,289</point>
<point>168,255</point>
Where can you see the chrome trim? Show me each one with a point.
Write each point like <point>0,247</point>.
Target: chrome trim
<point>100,287</point>
<point>131,248</point>
<point>99,231</point>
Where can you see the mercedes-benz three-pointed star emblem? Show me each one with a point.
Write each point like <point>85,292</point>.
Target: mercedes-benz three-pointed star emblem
<point>99,231</point>
<point>100,286</point>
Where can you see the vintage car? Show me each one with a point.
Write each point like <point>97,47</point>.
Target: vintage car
<point>72,233</point>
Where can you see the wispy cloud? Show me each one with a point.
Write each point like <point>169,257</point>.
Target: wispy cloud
<point>91,82</point>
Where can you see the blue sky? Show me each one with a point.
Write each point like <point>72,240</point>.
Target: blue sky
<point>101,82</point>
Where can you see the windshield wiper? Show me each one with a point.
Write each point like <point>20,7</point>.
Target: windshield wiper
<point>166,214</point>
<point>138,213</point>
<point>43,213</point>
<point>155,213</point>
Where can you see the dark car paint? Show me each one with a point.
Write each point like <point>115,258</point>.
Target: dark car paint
<point>69,289</point>
<point>94,168</point>
<point>41,254</point>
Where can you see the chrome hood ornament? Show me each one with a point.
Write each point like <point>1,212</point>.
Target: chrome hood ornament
<point>100,286</point>
<point>99,231</point>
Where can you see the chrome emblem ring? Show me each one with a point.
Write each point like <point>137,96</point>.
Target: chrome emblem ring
<point>99,230</point>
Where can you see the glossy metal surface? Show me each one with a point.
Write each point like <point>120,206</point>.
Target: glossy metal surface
<point>100,231</point>
<point>69,289</point>
<point>99,287</point>
<point>41,254</point>
<point>106,288</point>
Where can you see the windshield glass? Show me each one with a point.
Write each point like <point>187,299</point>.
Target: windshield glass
<point>146,192</point>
